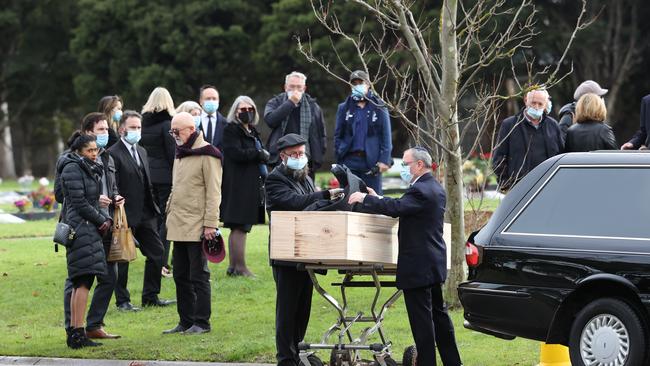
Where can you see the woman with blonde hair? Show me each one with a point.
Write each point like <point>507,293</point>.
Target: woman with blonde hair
<point>157,115</point>
<point>590,132</point>
<point>242,186</point>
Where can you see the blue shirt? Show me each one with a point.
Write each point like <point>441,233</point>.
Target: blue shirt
<point>360,123</point>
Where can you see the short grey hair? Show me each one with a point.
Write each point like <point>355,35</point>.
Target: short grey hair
<point>543,91</point>
<point>232,114</point>
<point>295,74</point>
<point>420,153</point>
<point>188,106</point>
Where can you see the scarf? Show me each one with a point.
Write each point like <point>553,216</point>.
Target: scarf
<point>186,149</point>
<point>305,119</point>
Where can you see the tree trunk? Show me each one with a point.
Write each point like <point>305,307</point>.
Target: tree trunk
<point>7,168</point>
<point>453,161</point>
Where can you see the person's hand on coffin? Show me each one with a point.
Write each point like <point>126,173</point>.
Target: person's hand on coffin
<point>357,197</point>
<point>372,192</point>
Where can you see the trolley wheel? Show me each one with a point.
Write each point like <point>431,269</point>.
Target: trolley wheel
<point>410,357</point>
<point>337,357</point>
<point>389,361</point>
<point>315,361</point>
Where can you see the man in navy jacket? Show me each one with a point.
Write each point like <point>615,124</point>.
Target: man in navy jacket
<point>421,262</point>
<point>641,139</point>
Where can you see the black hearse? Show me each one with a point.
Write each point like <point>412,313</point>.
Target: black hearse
<point>566,259</point>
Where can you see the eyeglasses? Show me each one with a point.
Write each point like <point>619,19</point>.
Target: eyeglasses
<point>405,163</point>
<point>296,155</point>
<point>176,131</point>
<point>251,109</point>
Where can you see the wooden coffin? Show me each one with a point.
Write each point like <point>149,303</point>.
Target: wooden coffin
<point>333,237</point>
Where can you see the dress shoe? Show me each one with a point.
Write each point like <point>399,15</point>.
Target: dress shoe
<point>177,329</point>
<point>157,302</point>
<point>127,306</point>
<point>195,329</point>
<point>101,334</point>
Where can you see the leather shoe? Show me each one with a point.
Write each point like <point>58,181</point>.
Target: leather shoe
<point>195,329</point>
<point>157,302</point>
<point>101,334</point>
<point>177,329</point>
<point>127,306</point>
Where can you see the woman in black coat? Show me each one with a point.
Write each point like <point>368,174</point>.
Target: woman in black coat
<point>242,187</point>
<point>80,179</point>
<point>590,132</point>
<point>156,123</point>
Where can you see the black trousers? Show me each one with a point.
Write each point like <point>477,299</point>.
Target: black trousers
<point>192,278</point>
<point>100,300</point>
<point>162,192</point>
<point>431,326</point>
<point>292,307</point>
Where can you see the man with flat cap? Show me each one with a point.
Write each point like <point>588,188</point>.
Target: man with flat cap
<point>289,188</point>
<point>362,137</point>
<point>569,110</point>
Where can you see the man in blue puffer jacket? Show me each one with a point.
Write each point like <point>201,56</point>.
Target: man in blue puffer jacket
<point>362,138</point>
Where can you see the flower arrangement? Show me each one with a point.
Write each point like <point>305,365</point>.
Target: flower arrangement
<point>47,203</point>
<point>23,204</point>
<point>330,183</point>
<point>477,172</point>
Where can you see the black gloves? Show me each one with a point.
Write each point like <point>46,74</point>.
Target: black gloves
<point>105,227</point>
<point>263,155</point>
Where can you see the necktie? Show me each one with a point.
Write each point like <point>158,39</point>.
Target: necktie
<point>209,136</point>
<point>135,155</point>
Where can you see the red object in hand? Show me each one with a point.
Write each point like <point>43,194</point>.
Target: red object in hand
<point>334,183</point>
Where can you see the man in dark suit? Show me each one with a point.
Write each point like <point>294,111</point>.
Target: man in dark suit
<point>641,139</point>
<point>422,259</point>
<point>134,183</point>
<point>212,122</point>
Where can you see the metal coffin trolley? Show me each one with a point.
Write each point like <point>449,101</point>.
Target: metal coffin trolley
<point>360,247</point>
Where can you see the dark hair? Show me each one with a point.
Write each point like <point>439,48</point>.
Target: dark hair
<point>78,141</point>
<point>107,103</point>
<point>90,120</point>
<point>128,114</point>
<point>207,86</point>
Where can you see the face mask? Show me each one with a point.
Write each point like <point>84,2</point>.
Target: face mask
<point>297,164</point>
<point>117,115</point>
<point>405,174</point>
<point>549,107</point>
<point>132,137</point>
<point>197,121</point>
<point>359,91</point>
<point>102,140</point>
<point>210,106</point>
<point>535,113</point>
<point>246,117</point>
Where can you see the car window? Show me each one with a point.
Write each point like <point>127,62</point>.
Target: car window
<point>590,201</point>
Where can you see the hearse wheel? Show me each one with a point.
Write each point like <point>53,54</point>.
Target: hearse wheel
<point>607,332</point>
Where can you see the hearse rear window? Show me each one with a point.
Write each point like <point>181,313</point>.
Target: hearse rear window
<point>590,201</point>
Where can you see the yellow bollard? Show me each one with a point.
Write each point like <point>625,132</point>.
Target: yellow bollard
<point>553,355</point>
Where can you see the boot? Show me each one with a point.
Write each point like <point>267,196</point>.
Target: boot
<point>86,342</point>
<point>74,338</point>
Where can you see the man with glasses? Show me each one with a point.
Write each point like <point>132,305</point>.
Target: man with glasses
<point>295,111</point>
<point>192,214</point>
<point>289,188</point>
<point>422,258</point>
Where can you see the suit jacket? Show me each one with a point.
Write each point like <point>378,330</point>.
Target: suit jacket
<point>132,181</point>
<point>217,132</point>
<point>641,137</point>
<point>422,258</point>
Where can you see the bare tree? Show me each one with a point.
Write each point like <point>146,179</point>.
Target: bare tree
<point>425,90</point>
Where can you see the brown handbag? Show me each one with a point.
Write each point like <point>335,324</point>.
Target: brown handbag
<point>123,244</point>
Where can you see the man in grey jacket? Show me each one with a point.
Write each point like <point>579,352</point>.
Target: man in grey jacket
<point>295,111</point>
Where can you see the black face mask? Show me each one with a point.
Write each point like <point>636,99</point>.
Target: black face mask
<point>246,117</point>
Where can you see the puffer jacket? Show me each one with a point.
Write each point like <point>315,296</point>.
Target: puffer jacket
<point>160,146</point>
<point>80,180</point>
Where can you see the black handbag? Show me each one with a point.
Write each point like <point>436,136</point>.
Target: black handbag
<point>63,234</point>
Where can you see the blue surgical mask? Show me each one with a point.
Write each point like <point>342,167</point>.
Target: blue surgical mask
<point>535,113</point>
<point>197,121</point>
<point>549,107</point>
<point>102,140</point>
<point>117,115</point>
<point>405,174</point>
<point>359,91</point>
<point>297,164</point>
<point>132,137</point>
<point>210,106</point>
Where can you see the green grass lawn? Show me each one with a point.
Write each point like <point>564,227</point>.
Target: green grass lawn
<point>31,312</point>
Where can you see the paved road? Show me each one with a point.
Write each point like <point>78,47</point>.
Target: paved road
<point>42,361</point>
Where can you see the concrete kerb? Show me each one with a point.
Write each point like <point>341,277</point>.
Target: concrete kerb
<point>44,361</point>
